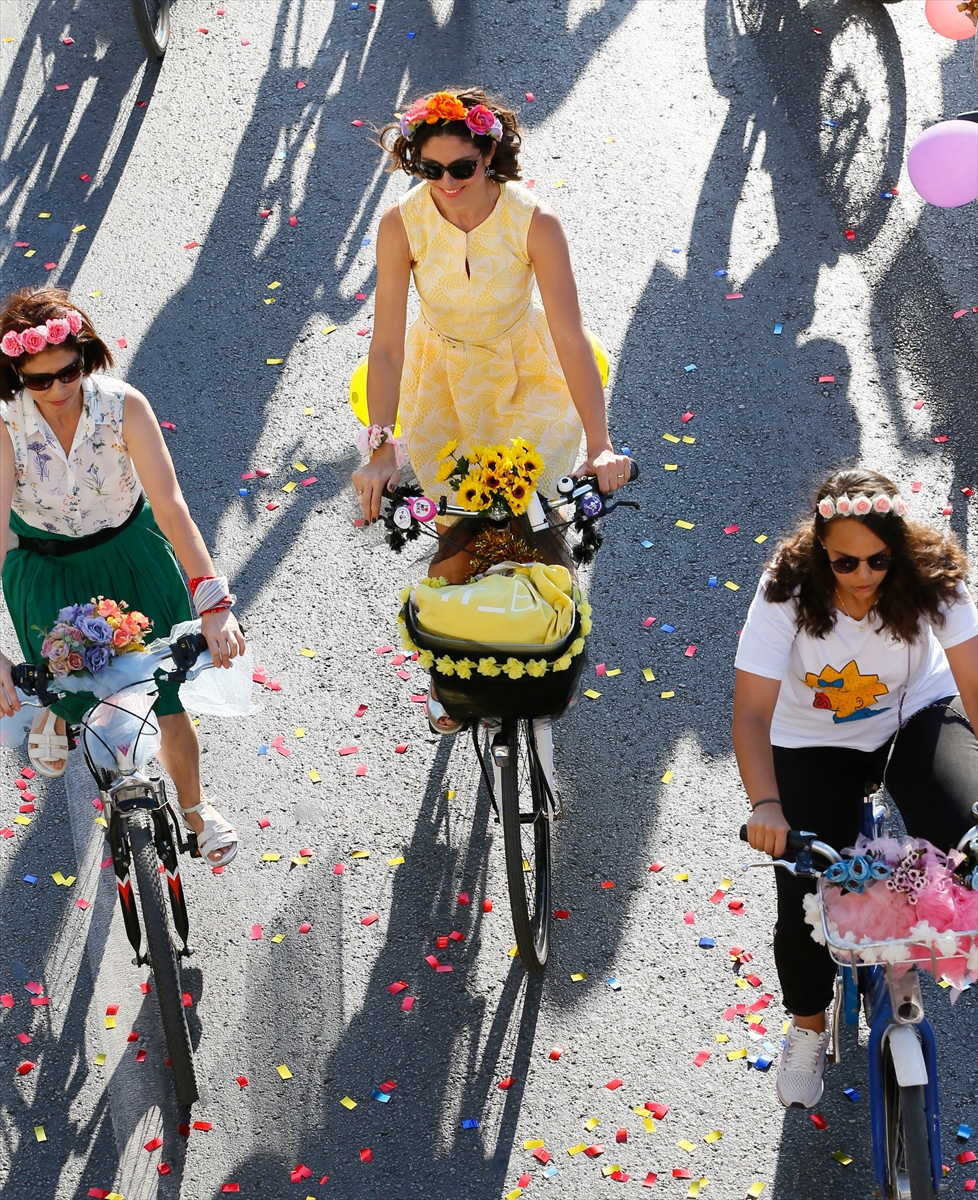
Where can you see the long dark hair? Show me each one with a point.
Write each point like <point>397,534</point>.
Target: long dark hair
<point>404,155</point>
<point>32,306</point>
<point>927,565</point>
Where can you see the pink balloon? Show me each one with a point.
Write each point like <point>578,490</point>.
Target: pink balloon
<point>944,18</point>
<point>943,163</point>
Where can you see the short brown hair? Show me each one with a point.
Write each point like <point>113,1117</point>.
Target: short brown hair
<point>404,154</point>
<point>30,306</point>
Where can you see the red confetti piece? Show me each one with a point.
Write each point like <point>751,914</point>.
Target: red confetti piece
<point>916,486</point>
<point>201,29</point>
<point>141,103</point>
<point>140,1056</point>
<point>734,296</point>
<point>60,87</point>
<point>607,883</point>
<point>191,245</point>
<point>338,869</point>
<point>407,1003</point>
<point>28,772</point>
<point>264,213</point>
<point>826,379</point>
<point>84,178</point>
<point>621,1135</point>
<point>529,96</point>
<point>959,313</point>
<point>940,438</point>
<point>183,1130</point>
<point>167,425</point>
<point>463,898</point>
<point>293,221</point>
<point>363,332</point>
<point>263,822</point>
<point>153,1144</point>
<point>361,710</point>
<point>681,1173</point>
<point>542,1156</point>
<point>98,1193</point>
<point>656,1109</point>
<point>400,748</point>
<point>594,1151</point>
<point>656,866</point>
<point>369,919</point>
<point>432,961</point>
<point>850,235</point>
<point>689,918</point>
<point>164,1168</point>
<point>360,296</point>
<point>612,1084</point>
<point>188,1000</point>
<point>701,1058</point>
<point>397,986</point>
<point>487,904</point>
<point>50,266</point>
<point>305,927</point>
<point>204,1126</point>
<point>731,528</point>
<point>562,914</point>
<point>366,1155</point>
<point>649,1179</point>
<point>819,1121</point>
<point>945,512</point>
<point>717,896</point>
<point>26,808</point>
<point>556,1052</point>
<point>25,1068</point>
<point>256,933</point>
<point>272,505</point>
<point>82,904</point>
<point>6,833</point>
<point>132,1037</point>
<point>456,936</point>
<point>34,988</point>
<point>111,1010</point>
<point>970,1184</point>
<point>690,651</point>
<point>300,83</point>
<point>687,417</point>
<point>344,750</point>
<point>736,907</point>
<point>241,1080</point>
<point>358,124</point>
<point>300,1172</point>
<point>505,1083</point>
<point>967,492</point>
<point>229,1187</point>
<point>24,1039</point>
<point>967,1156</point>
<point>68,41</point>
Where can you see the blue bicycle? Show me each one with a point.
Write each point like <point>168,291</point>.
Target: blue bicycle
<point>903,1088</point>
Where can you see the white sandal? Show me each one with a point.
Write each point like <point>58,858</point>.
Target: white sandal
<point>44,747</point>
<point>217,834</point>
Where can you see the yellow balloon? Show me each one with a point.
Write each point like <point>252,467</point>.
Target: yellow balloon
<point>600,357</point>
<point>358,396</point>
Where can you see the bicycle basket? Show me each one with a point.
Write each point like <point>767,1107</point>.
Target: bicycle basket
<point>484,696</point>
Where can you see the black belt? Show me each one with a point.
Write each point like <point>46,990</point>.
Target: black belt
<point>58,549</point>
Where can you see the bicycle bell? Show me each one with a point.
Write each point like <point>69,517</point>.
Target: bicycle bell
<point>402,517</point>
<point>421,508</point>
<point>565,485</point>
<point>592,505</point>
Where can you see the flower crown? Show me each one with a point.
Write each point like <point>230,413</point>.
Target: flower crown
<point>861,505</point>
<point>33,341</point>
<point>443,106</point>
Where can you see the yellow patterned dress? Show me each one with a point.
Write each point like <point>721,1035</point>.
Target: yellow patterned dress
<point>479,362</point>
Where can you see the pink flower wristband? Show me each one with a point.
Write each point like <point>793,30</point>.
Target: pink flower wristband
<point>371,439</point>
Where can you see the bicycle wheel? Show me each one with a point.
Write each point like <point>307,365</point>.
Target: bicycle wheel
<point>162,957</point>
<point>907,1144</point>
<point>152,19</point>
<point>526,833</point>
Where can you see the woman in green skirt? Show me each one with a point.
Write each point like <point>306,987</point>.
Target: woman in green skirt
<point>89,493</point>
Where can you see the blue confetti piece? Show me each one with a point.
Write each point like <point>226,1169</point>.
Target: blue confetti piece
<point>262,749</point>
<point>677,250</point>
<point>647,544</point>
<point>355,5</point>
<point>886,195</point>
<point>282,154</point>
<point>827,122</point>
<point>365,242</point>
<point>778,328</point>
<point>690,367</point>
<point>412,34</point>
<point>668,628</point>
<point>762,1064</point>
<point>242,491</point>
<point>964,1132</point>
<point>851,1093</point>
<point>719,274</point>
<point>712,581</point>
<point>383,1097</point>
<point>613,984</point>
<point>550,1172</point>
<point>470,1123</point>
<point>30,879</point>
<point>707,943</point>
<point>625,450</point>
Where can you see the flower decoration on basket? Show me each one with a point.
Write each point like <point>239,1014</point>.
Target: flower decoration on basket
<point>496,480</point>
<point>444,106</point>
<point>87,636</point>
<point>33,341</point>
<point>862,505</point>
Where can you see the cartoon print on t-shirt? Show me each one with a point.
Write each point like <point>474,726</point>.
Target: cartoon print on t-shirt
<point>847,693</point>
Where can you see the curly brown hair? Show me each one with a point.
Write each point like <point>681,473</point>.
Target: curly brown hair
<point>404,155</point>
<point>927,564</point>
<point>30,306</point>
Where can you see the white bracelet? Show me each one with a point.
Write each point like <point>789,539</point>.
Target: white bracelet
<point>210,593</point>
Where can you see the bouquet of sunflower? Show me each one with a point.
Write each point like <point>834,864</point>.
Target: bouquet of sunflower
<point>500,478</point>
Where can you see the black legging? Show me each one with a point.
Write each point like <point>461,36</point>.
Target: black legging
<point>932,778</point>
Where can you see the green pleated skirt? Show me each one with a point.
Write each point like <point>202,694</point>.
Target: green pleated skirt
<point>137,566</point>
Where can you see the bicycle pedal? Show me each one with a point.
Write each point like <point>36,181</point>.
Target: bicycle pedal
<point>192,848</point>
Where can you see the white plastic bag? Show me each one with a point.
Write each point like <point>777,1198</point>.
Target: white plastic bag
<point>218,691</point>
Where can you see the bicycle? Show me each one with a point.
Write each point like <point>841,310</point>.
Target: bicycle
<point>119,737</point>
<point>515,715</point>
<point>152,19</point>
<point>903,1087</point>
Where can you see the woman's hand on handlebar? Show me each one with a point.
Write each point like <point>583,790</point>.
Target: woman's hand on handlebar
<point>767,829</point>
<point>374,478</point>
<point>9,700</point>
<point>224,637</point>
<point>610,469</point>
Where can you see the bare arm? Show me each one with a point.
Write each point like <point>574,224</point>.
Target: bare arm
<point>9,703</point>
<point>963,660</point>
<point>151,458</point>
<point>547,248</point>
<point>755,697</point>
<point>386,358</point>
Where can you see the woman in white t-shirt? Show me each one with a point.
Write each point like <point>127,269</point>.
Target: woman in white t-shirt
<point>860,654</point>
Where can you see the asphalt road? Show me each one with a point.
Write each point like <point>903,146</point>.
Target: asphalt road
<point>676,138</point>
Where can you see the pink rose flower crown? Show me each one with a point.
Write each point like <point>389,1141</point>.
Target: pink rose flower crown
<point>862,505</point>
<point>32,341</point>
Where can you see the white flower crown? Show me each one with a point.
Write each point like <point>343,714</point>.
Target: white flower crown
<point>861,505</point>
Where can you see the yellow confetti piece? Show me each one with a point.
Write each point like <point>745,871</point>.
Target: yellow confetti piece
<point>514,1194</point>
<point>666,696</point>
<point>7,39</point>
<point>591,1124</point>
<point>300,466</point>
<point>721,1037</point>
<point>300,732</point>
<point>284,1071</point>
<point>449,795</point>
<point>592,694</point>
<point>759,539</point>
<point>58,878</point>
<point>689,440</point>
<point>115,1196</point>
<point>274,362</point>
<point>22,820</point>
<point>348,1103</point>
<point>616,671</point>
<point>943,983</point>
<point>269,856</point>
<point>395,862</point>
<point>526,865</point>
<point>694,1188</point>
<point>841,1157</point>
<point>681,876</point>
<point>610,1169</point>
<point>273,285</point>
<point>102,821</point>
<point>513,953</point>
<point>110,1022</point>
<point>43,215</point>
<point>755,1189</point>
<point>649,677</point>
<point>305,651</point>
<point>560,183</point>
<point>331,329</point>
<point>726,883</point>
<point>742,983</point>
<point>29,253</point>
<point>579,976</point>
<point>667,778</point>
<point>640,1110</point>
<point>95,295</point>
<point>785,1026</point>
<point>715,1136</point>
<point>269,300</point>
<point>360,854</point>
<point>298,860</point>
<point>290,486</point>
<point>733,1055</point>
<point>100,1059</point>
<point>578,1149</point>
<point>533,1144</point>
<point>689,1147</point>
<point>685,525</point>
<point>307,412</point>
<point>609,139</point>
<point>40,1134</point>
<point>278,937</point>
<point>78,228</point>
<point>649,1124</point>
<point>315,777</point>
<point>734,587</point>
<point>671,466</point>
<point>671,437</point>
<point>754,1019</point>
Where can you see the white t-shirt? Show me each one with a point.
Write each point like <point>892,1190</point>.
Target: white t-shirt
<point>845,689</point>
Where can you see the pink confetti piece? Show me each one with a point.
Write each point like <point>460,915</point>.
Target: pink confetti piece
<point>7,1000</point>
<point>383,649</point>
<point>613,1084</point>
<point>293,221</point>
<point>363,332</point>
<point>648,622</point>
<point>21,245</point>
<point>826,379</point>
<point>940,439</point>
<point>918,405</point>
<point>300,84</point>
<point>959,313</point>
<point>256,931</point>
<point>339,869</point>
<point>731,528</point>
<point>400,748</point>
<point>50,267</point>
<point>360,710</point>
<point>701,1058</point>
<point>264,213</point>
<point>361,771</point>
<point>687,417</point>
<point>345,750</point>
<point>357,124</point>
<point>271,506</point>
<point>945,512</point>
<point>167,425</point>
<point>305,927</point>
<point>246,41</point>
<point>407,1003</point>
<point>916,486</point>
<point>690,651</point>
<point>656,866</point>
<point>600,669</point>
<point>82,904</point>
<point>68,41</point>
<point>191,245</point>
<point>121,343</point>
<point>529,97</point>
<point>689,918</point>
<point>734,296</point>
<point>309,480</point>
<point>60,87</point>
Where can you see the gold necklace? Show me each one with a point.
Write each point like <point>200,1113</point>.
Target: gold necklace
<point>847,612</point>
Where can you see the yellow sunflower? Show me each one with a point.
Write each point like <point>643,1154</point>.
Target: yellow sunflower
<point>448,448</point>
<point>445,470</point>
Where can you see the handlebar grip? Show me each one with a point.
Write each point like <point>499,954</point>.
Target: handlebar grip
<point>796,842</point>
<point>23,677</point>
<point>633,472</point>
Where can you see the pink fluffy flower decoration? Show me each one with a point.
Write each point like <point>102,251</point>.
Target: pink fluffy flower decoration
<point>11,344</point>
<point>74,320</point>
<point>34,340</point>
<point>843,506</point>
<point>862,506</point>
<point>882,503</point>
<point>58,329</point>
<point>826,508</point>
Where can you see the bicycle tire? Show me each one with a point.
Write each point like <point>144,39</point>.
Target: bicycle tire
<point>152,19</point>
<point>163,958</point>
<point>908,1168</point>
<point>529,890</point>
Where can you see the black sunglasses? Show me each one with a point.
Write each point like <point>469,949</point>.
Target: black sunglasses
<point>462,168</point>
<point>41,383</point>
<point>847,564</point>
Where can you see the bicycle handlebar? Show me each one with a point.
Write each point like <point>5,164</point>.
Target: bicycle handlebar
<point>795,843</point>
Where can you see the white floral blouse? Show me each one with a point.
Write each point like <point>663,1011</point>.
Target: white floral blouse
<point>95,485</point>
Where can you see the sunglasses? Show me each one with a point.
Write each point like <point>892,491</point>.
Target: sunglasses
<point>847,564</point>
<point>462,168</point>
<point>41,383</point>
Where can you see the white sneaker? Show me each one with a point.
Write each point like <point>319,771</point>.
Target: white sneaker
<point>799,1082</point>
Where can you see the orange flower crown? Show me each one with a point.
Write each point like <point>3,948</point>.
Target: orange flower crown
<point>444,106</point>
